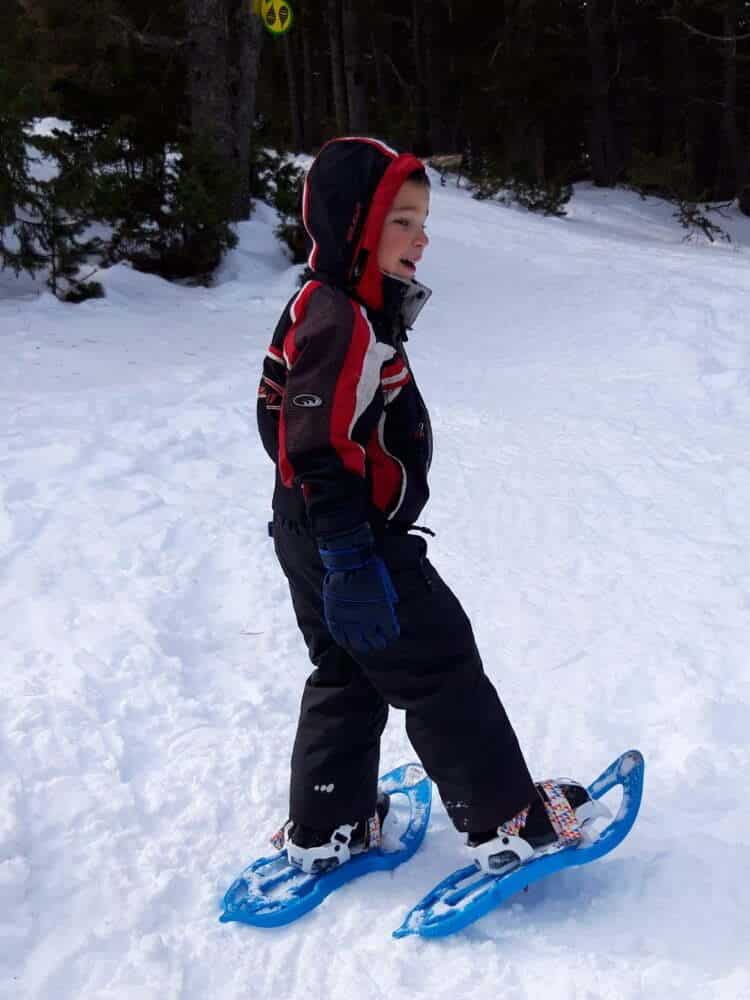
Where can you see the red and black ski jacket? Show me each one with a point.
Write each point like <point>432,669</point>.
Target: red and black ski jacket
<point>338,409</point>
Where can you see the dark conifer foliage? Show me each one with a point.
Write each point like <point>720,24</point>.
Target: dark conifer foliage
<point>650,92</point>
<point>19,97</point>
<point>56,214</point>
<point>168,100</point>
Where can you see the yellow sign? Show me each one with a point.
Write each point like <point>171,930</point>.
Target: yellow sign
<point>277,15</point>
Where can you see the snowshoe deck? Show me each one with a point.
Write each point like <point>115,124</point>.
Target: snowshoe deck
<point>467,894</point>
<point>271,892</point>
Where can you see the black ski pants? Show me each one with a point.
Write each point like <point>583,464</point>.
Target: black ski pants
<point>433,672</point>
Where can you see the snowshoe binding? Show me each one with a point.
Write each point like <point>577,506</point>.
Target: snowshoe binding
<point>556,819</point>
<point>318,851</point>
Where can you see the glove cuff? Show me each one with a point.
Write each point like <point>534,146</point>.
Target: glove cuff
<point>349,549</point>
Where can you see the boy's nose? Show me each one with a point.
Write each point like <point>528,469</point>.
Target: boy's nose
<point>422,239</point>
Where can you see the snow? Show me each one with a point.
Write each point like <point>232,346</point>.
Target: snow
<point>589,381</point>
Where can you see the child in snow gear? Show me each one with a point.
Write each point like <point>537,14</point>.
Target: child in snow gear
<point>342,418</point>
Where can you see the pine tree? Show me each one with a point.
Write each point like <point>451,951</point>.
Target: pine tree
<point>16,252</point>
<point>57,215</point>
<point>18,99</point>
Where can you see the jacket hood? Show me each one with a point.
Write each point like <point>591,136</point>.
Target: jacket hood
<point>348,190</point>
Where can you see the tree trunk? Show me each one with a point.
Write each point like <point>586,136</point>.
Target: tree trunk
<point>356,86</point>
<point>437,132</point>
<point>310,128</point>
<point>605,161</point>
<point>255,48</point>
<point>322,92</point>
<point>223,54</point>
<point>381,86</point>
<point>207,67</point>
<point>522,129</point>
<point>337,66</point>
<point>681,125</point>
<point>420,12</point>
<point>730,172</point>
<point>245,40</point>
<point>295,110</point>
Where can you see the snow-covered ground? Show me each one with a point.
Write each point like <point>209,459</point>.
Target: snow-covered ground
<point>589,380</point>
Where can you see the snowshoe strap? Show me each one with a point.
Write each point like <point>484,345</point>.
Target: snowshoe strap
<point>279,838</point>
<point>374,833</point>
<point>566,825</point>
<point>514,826</point>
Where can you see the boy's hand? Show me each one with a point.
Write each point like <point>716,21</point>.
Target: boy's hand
<point>358,594</point>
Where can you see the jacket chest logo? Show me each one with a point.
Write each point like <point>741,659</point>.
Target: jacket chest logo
<point>307,400</point>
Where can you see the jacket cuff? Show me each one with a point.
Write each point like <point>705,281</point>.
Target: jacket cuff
<point>360,536</point>
<point>328,520</point>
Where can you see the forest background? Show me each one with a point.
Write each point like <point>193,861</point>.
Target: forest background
<point>178,114</point>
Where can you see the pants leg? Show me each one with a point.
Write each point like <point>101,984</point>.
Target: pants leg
<point>433,671</point>
<point>454,717</point>
<point>336,755</point>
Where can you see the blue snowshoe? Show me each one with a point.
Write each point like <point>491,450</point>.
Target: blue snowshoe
<point>276,890</point>
<point>506,863</point>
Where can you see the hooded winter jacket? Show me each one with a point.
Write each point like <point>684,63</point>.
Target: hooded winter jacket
<point>338,409</point>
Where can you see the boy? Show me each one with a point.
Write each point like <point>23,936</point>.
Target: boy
<point>342,418</point>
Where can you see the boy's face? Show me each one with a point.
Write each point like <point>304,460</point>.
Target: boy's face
<point>404,239</point>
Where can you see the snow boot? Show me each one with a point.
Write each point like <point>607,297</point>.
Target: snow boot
<point>554,820</point>
<point>322,850</point>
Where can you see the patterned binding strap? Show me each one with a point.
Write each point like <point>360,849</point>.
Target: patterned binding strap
<point>514,826</point>
<point>278,839</point>
<point>561,814</point>
<point>374,833</point>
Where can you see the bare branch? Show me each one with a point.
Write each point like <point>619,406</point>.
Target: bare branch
<point>401,19</point>
<point>398,76</point>
<point>163,42</point>
<point>616,73</point>
<point>724,39</point>
<point>495,52</point>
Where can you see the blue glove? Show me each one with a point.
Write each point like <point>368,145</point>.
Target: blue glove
<point>358,594</point>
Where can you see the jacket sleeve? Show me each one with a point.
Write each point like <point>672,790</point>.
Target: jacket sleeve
<point>331,405</point>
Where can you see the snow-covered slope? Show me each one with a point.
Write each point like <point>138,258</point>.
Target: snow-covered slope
<point>589,380</point>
